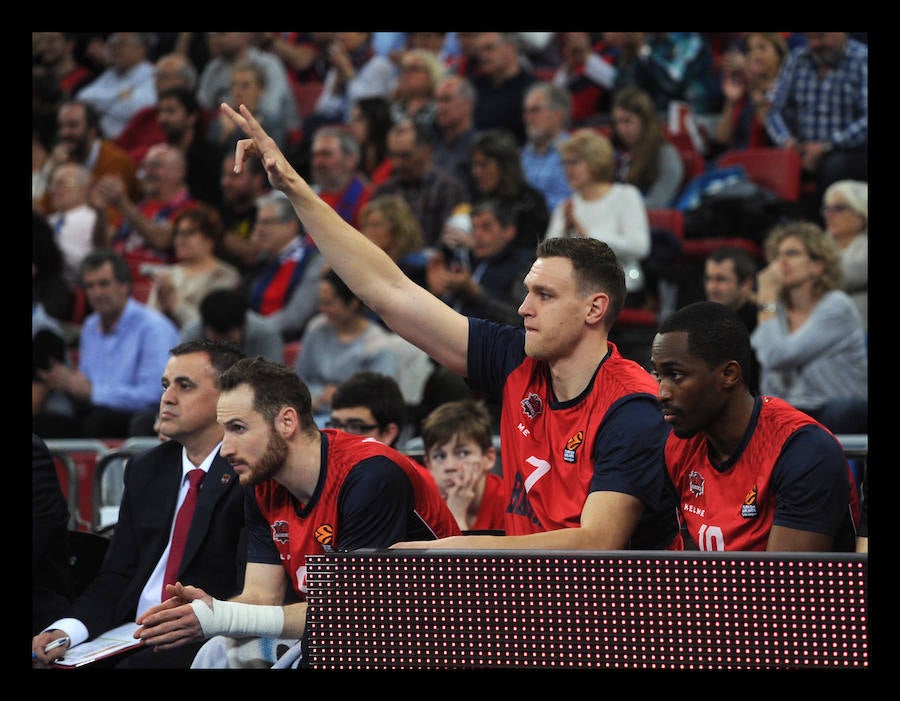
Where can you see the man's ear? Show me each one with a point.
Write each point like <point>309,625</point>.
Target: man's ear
<point>287,423</point>
<point>598,309</point>
<point>731,373</point>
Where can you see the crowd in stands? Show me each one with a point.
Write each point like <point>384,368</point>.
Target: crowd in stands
<point>440,146</point>
<point>497,171</point>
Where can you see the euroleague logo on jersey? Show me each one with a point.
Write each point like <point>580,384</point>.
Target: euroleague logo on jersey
<point>572,446</point>
<point>325,534</point>
<point>749,508</point>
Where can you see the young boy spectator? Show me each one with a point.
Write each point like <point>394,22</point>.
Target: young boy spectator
<point>460,453</point>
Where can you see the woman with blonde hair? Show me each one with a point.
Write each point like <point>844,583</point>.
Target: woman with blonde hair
<point>602,209</point>
<point>390,224</point>
<point>810,339</point>
<point>414,96</point>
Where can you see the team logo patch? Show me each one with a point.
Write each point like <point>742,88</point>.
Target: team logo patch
<point>572,446</point>
<point>532,406</point>
<point>280,532</point>
<point>325,534</point>
<point>695,481</point>
<point>749,508</point>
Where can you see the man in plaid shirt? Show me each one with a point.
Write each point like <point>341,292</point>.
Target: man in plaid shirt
<point>820,106</point>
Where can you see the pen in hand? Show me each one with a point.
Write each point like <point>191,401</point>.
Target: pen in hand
<point>59,642</point>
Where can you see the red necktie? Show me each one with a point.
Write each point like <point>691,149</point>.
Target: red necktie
<point>182,526</point>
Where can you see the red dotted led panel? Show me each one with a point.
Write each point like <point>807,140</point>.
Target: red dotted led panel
<point>646,610</point>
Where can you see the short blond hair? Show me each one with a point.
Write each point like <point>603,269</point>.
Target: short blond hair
<point>595,149</point>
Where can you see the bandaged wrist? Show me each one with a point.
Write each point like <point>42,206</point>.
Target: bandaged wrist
<point>232,618</point>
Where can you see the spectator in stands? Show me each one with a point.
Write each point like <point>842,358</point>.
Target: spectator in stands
<point>831,70</point>
<point>729,278</point>
<point>247,87</point>
<point>669,66</point>
<point>146,232</point>
<point>497,169</point>
<point>182,122</point>
<point>51,581</point>
<point>727,447</point>
<point>303,53</point>
<point>587,77</point>
<point>810,339</point>
<point>389,223</point>
<point>460,454</point>
<point>122,351</point>
<point>560,361</point>
<point>646,159</point>
<point>57,75</point>
<point>178,289</point>
<point>454,121</point>
<point>602,209</point>
<point>172,70</point>
<point>79,140</point>
<point>226,316</point>
<point>125,87</point>
<point>48,278</point>
<point>131,578</point>
<point>285,288</point>
<point>48,345</point>
<point>489,283</point>
<point>335,172</point>
<point>748,80</point>
<point>432,194</point>
<point>501,84</point>
<point>465,62</point>
<point>355,71</point>
<point>414,96</point>
<point>370,404</point>
<point>369,493</point>
<point>78,226</point>
<point>337,342</point>
<point>370,121</point>
<point>845,209</point>
<point>214,86</point>
<point>547,114</point>
<point>240,191</point>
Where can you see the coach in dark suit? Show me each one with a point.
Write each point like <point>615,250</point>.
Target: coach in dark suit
<point>51,587</point>
<point>215,551</point>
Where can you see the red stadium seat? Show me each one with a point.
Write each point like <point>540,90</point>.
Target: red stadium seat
<point>776,169</point>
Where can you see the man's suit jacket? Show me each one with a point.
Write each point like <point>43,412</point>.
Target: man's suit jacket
<point>51,586</point>
<point>215,552</point>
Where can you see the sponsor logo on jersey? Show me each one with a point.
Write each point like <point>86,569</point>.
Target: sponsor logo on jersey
<point>280,532</point>
<point>572,446</point>
<point>532,406</point>
<point>749,508</point>
<point>695,480</point>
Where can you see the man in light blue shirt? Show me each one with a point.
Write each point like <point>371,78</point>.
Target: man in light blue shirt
<point>123,350</point>
<point>547,110</point>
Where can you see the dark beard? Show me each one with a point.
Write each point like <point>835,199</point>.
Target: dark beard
<point>270,463</point>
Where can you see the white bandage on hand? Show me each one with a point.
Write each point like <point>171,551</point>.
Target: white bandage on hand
<point>232,618</point>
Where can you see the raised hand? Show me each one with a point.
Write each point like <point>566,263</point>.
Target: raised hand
<point>282,175</point>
